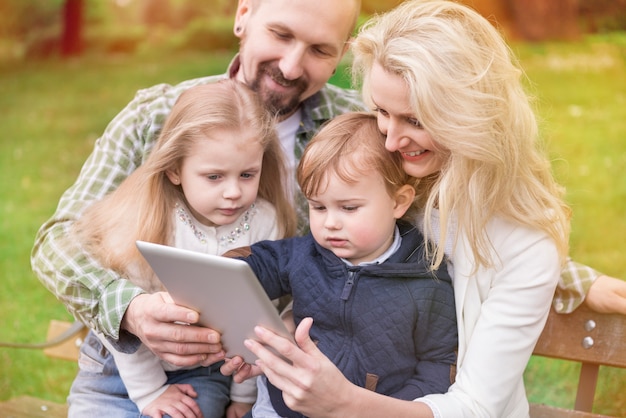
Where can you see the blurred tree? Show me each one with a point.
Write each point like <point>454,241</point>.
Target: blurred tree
<point>537,20</point>
<point>369,7</point>
<point>157,12</point>
<point>72,34</point>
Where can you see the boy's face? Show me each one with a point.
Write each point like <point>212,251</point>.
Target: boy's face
<point>290,48</point>
<point>355,221</point>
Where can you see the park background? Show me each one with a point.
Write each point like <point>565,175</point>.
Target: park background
<point>68,66</point>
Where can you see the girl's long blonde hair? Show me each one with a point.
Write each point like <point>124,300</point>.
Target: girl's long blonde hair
<point>141,207</point>
<point>465,89</point>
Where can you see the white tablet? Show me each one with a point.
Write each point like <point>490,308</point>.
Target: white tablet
<point>224,291</point>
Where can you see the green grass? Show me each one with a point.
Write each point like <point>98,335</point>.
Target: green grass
<point>52,112</point>
<point>581,91</point>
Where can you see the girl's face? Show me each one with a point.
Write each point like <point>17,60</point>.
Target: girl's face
<point>220,176</point>
<point>356,221</point>
<point>397,121</point>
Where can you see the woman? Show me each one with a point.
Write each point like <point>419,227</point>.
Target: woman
<point>448,97</point>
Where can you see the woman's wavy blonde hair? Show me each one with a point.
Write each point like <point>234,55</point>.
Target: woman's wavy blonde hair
<point>141,207</point>
<point>465,88</point>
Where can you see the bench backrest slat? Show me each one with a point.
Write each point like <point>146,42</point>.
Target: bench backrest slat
<point>587,337</point>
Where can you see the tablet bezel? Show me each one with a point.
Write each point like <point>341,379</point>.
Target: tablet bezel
<point>224,291</point>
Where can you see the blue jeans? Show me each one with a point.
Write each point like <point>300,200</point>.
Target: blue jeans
<point>98,389</point>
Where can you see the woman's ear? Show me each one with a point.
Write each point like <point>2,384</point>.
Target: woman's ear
<point>404,199</point>
<point>173,176</point>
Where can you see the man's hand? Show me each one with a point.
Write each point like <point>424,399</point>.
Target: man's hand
<point>167,330</point>
<point>607,295</point>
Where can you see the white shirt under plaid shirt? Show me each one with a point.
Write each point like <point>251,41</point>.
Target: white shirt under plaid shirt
<point>98,297</point>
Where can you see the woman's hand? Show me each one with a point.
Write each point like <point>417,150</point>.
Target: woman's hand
<point>607,295</point>
<point>311,384</point>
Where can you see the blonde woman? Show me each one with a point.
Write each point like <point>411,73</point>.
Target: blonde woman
<point>449,100</point>
<point>214,181</point>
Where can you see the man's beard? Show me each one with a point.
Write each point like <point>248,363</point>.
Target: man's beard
<point>279,104</point>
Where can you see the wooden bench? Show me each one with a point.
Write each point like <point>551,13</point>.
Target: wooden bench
<point>63,341</point>
<point>589,338</point>
<point>584,336</point>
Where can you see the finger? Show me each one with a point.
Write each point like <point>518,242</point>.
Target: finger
<point>184,339</point>
<point>245,372</point>
<point>188,360</point>
<point>190,408</point>
<point>268,362</point>
<point>183,408</point>
<point>166,297</point>
<point>166,311</point>
<point>279,371</point>
<point>187,389</point>
<point>302,335</point>
<point>231,365</point>
<point>276,367</point>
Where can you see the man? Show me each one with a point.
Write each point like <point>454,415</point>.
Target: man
<point>289,49</point>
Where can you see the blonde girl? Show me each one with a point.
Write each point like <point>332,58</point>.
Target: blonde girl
<point>214,181</point>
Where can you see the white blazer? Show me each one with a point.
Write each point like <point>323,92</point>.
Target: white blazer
<point>501,312</point>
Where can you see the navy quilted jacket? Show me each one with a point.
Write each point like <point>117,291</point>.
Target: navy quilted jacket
<point>393,320</point>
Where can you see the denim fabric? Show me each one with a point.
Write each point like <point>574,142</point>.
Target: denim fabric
<point>99,391</point>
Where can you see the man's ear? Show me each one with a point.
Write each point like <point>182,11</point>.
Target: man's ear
<point>404,199</point>
<point>243,11</point>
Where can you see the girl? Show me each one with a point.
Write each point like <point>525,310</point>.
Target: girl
<point>450,101</point>
<point>213,181</point>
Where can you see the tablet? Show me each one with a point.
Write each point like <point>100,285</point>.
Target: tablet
<point>224,291</point>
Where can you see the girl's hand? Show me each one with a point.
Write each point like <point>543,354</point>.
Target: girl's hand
<point>177,402</point>
<point>238,409</point>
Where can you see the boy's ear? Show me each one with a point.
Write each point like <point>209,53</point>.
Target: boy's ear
<point>404,199</point>
<point>173,176</point>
